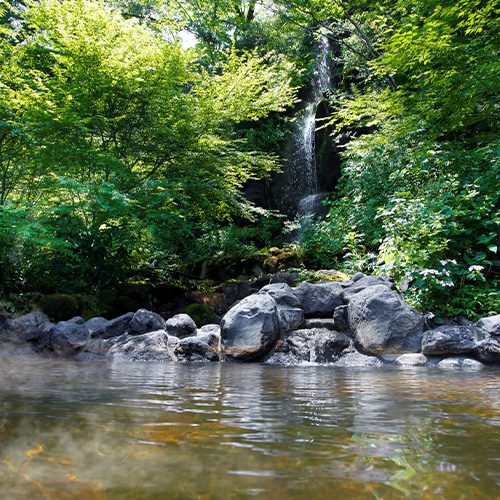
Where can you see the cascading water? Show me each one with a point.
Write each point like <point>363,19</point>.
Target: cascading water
<point>302,162</point>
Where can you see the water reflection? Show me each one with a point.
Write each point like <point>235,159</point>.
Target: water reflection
<point>104,431</point>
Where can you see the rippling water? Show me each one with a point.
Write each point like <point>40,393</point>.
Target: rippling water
<point>227,431</point>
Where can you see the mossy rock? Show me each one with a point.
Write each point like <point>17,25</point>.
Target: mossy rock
<point>59,306</point>
<point>201,314</point>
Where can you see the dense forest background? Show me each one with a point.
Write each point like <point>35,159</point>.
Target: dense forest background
<point>124,155</point>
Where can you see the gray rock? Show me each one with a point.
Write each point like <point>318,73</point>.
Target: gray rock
<point>449,340</point>
<point>490,325</point>
<point>145,321</point>
<point>288,278</point>
<point>488,350</point>
<point>22,329</point>
<point>211,335</point>
<point>327,323</point>
<point>290,318</point>
<point>250,328</point>
<point>113,328</point>
<point>195,349</point>
<point>66,337</point>
<point>382,322</point>
<point>467,363</point>
<point>316,345</point>
<point>319,299</point>
<point>341,318</point>
<point>290,314</point>
<point>150,346</point>
<point>94,324</point>
<point>238,290</point>
<point>282,294</point>
<point>366,282</point>
<point>417,359</point>
<point>357,360</point>
<point>357,277</point>
<point>181,326</point>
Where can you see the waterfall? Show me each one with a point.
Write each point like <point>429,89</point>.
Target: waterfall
<point>302,162</point>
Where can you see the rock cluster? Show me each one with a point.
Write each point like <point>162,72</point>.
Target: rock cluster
<point>360,322</point>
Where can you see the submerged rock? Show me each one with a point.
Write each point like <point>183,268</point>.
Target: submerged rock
<point>250,328</point>
<point>383,323</point>
<point>417,359</point>
<point>460,363</point>
<point>356,359</point>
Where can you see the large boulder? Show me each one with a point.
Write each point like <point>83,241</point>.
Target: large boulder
<point>145,321</point>
<point>282,294</point>
<point>382,322</point>
<point>66,337</point>
<point>490,325</point>
<point>181,326</point>
<point>362,282</point>
<point>195,349</point>
<point>290,314</point>
<point>319,299</point>
<point>250,328</point>
<point>448,340</point>
<point>149,347</point>
<point>113,328</point>
<point>22,329</point>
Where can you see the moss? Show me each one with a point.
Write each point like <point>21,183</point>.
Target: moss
<point>201,314</point>
<point>59,306</point>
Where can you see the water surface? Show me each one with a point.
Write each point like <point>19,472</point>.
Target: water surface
<point>229,431</point>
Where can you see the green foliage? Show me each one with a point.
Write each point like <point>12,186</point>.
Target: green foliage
<point>200,313</point>
<point>113,149</point>
<point>59,307</point>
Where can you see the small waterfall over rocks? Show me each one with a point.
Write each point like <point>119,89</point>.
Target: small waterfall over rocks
<point>301,189</point>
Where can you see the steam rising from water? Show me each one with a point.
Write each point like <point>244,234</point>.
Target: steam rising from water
<point>98,430</point>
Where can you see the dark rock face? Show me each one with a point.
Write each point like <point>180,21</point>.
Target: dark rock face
<point>147,347</point>
<point>114,327</point>
<point>452,341</point>
<point>341,318</point>
<point>23,329</point>
<point>319,299</point>
<point>66,337</point>
<point>181,326</point>
<point>250,328</point>
<point>145,321</point>
<point>195,349</point>
<point>490,325</point>
<point>383,323</point>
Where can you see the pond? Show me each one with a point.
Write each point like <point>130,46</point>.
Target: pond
<point>231,431</point>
